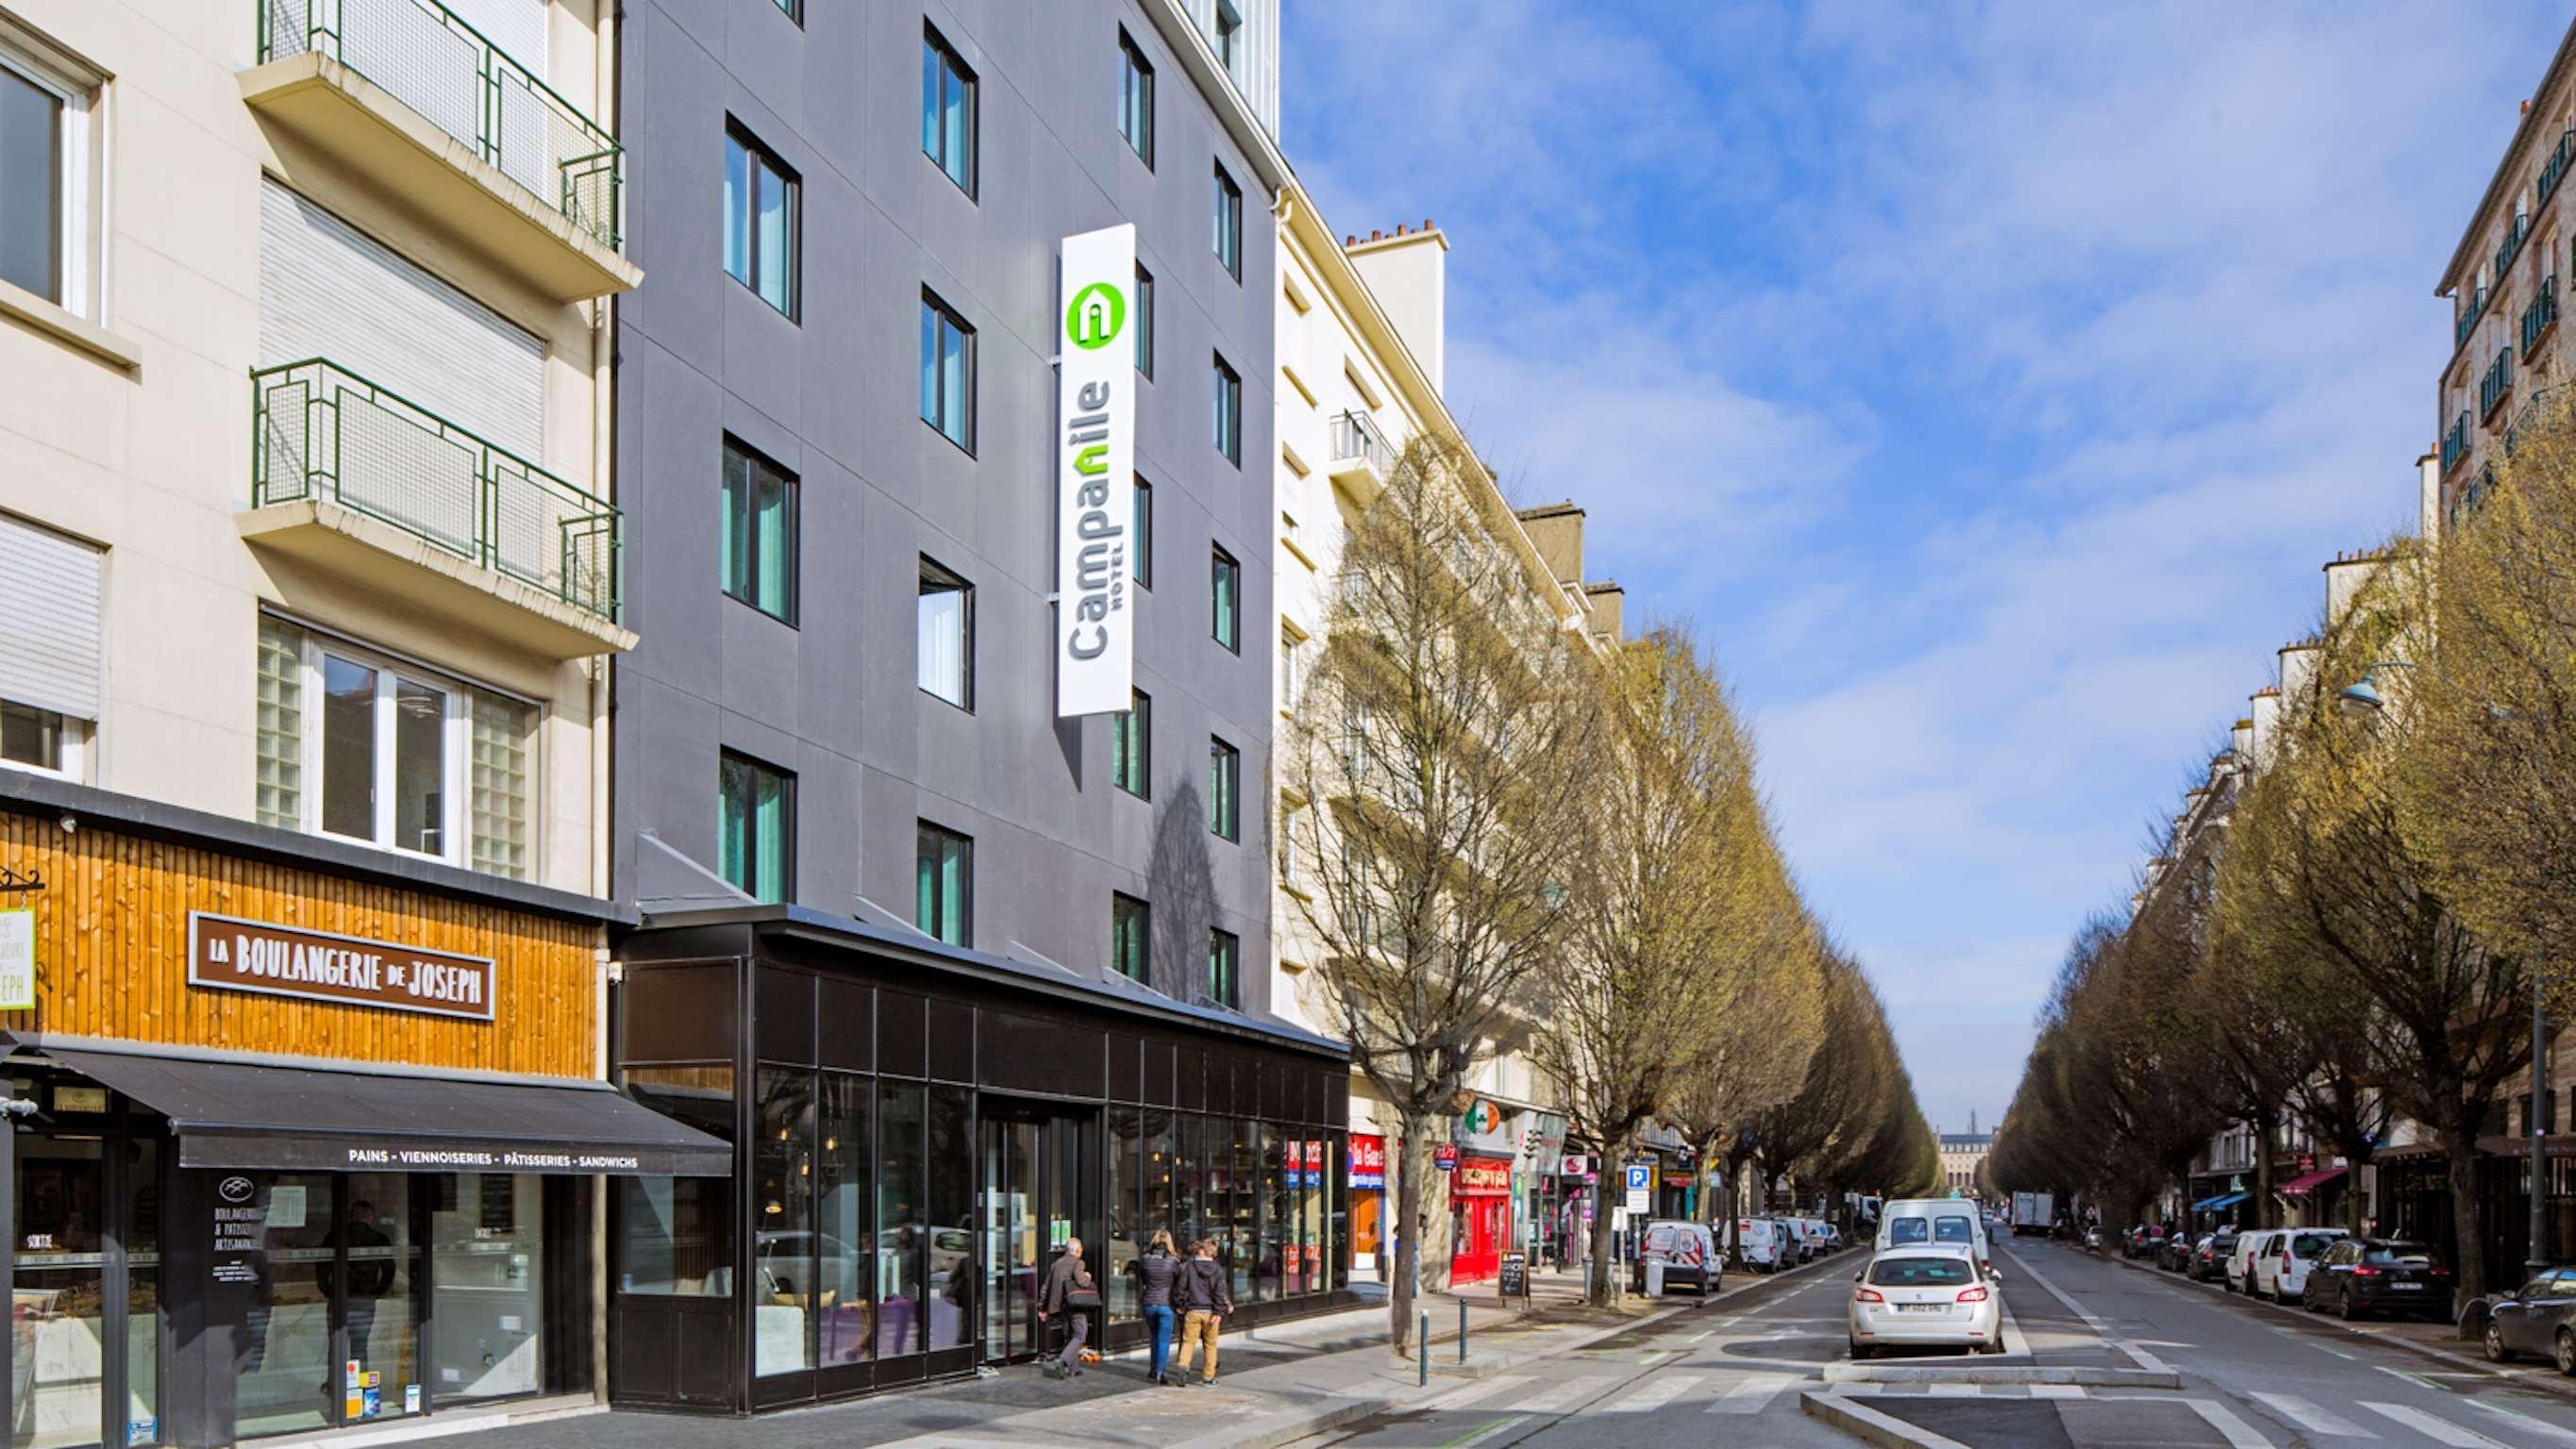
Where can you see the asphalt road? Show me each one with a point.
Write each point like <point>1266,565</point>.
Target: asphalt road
<point>2251,1379</point>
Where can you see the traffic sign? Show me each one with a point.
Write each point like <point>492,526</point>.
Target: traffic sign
<point>1641,1187</point>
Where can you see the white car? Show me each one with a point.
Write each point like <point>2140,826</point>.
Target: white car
<point>2281,1274</point>
<point>2240,1263</point>
<point>1931,1222</point>
<point>1925,1298</point>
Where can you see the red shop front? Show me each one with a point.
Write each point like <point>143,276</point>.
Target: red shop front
<point>1480,1214</point>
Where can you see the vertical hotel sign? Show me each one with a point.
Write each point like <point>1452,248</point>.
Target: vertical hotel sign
<point>1095,475</point>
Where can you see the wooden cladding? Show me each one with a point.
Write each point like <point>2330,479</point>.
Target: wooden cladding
<point>112,957</point>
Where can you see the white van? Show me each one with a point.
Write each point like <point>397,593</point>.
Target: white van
<point>1688,1252</point>
<point>1933,1221</point>
<point>1761,1243</point>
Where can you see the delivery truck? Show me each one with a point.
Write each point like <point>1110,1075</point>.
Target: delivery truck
<point>2033,1212</point>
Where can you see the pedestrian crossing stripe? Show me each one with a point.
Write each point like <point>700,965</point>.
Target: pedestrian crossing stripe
<point>1486,1388</point>
<point>1751,1393</point>
<point>1657,1393</point>
<point>2440,1431</point>
<point>1559,1397</point>
<point>2238,1433</point>
<point>2525,1423</point>
<point>2312,1418</point>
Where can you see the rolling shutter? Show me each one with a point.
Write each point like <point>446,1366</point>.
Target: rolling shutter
<point>49,594</point>
<point>329,291</point>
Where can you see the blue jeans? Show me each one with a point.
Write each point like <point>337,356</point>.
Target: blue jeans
<point>1160,1319</point>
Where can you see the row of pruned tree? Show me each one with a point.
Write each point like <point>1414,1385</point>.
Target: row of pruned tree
<point>1510,837</point>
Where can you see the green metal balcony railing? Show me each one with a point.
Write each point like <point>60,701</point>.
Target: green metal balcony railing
<point>2469,316</point>
<point>420,53</point>
<point>2514,234</point>
<point>2554,170</point>
<point>2497,384</point>
<point>323,434</point>
<point>2455,443</point>
<point>2471,494</point>
<point>2540,316</point>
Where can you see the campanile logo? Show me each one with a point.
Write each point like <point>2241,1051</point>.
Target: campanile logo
<point>1095,317</point>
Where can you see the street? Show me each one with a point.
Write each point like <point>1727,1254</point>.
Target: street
<point>2250,1377</point>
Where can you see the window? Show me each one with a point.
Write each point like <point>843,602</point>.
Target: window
<point>947,372</point>
<point>1131,746</point>
<point>757,532</point>
<point>51,665</point>
<point>1225,969</point>
<point>1229,37</point>
<point>944,885</point>
<point>1228,221</point>
<point>1135,99</point>
<point>1292,661</point>
<point>44,181</point>
<point>40,739</point>
<point>947,111</point>
<point>1287,844</point>
<point>1130,937</point>
<point>946,618</point>
<point>375,749</point>
<point>1140,555</point>
<point>793,10</point>
<point>1225,589</point>
<point>1145,322</point>
<point>1226,390</point>
<point>760,222</point>
<point>1225,787</point>
<point>756,837</point>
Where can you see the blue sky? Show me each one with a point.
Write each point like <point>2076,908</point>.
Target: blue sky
<point>1987,382</point>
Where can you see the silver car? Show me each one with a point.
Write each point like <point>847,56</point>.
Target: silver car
<point>1925,1297</point>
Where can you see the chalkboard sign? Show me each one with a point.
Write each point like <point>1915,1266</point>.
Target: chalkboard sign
<point>1515,1279</point>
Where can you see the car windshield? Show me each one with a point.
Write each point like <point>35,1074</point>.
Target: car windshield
<point>2308,1245</point>
<point>1953,1230</point>
<point>1919,1272</point>
<point>2412,1255</point>
<point>1907,1230</point>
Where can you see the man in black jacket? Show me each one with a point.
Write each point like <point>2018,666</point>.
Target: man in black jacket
<point>1066,1276</point>
<point>1204,1305</point>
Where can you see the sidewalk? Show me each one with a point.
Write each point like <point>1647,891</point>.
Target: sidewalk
<point>1277,1384</point>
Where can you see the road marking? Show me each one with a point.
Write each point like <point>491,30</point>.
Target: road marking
<point>2312,1418</point>
<point>1656,1394</point>
<point>1752,1392</point>
<point>1484,1388</point>
<point>2240,1435</point>
<point>2057,1391</point>
<point>1556,1398</point>
<point>1649,1359</point>
<point>1696,1337</point>
<point>1957,1391</point>
<point>1472,1435</point>
<point>2526,1423</point>
<point>2139,1356</point>
<point>2417,1380</point>
<point>2440,1431</point>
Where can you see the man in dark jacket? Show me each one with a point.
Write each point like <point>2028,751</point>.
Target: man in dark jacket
<point>1063,1278</point>
<point>1204,1305</point>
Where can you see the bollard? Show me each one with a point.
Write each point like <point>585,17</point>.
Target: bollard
<point>1422,1343</point>
<point>1462,1330</point>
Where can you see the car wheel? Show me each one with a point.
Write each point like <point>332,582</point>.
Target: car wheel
<point>2496,1351</point>
<point>1860,1350</point>
<point>2567,1353</point>
<point>2344,1308</point>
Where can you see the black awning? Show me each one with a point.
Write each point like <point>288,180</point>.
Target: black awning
<point>239,1115</point>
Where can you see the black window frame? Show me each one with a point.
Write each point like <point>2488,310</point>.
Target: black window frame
<point>1225,790</point>
<point>947,580</point>
<point>1228,39</point>
<point>1225,409</point>
<point>787,823</point>
<point>794,10</point>
<point>1225,968</point>
<point>1225,625</point>
<point>1144,322</point>
<point>947,316</point>
<point>1225,203</point>
<point>926,836</point>
<point>1136,724</point>
<point>950,65</point>
<point>1140,557</point>
<point>763,158</point>
<point>745,586</point>
<point>1135,71</point>
<point>1131,923</point>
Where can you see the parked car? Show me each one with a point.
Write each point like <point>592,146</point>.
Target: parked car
<point>2537,1317</point>
<point>2378,1275</point>
<point>2209,1258</point>
<point>1925,1298</point>
<point>1759,1243</point>
<point>2240,1263</point>
<point>2174,1253</point>
<point>2093,1237</point>
<point>2282,1273</point>
<point>2145,1241</point>
<point>1688,1252</point>
<point>1834,1239</point>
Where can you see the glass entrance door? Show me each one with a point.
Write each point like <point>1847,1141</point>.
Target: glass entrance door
<point>1035,1196</point>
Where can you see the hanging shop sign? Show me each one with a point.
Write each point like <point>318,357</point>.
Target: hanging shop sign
<point>1482,1177</point>
<point>1368,1161</point>
<point>1095,475</point>
<point>226,953</point>
<point>17,960</point>
<point>1445,1157</point>
<point>1484,1119</point>
<point>1575,1164</point>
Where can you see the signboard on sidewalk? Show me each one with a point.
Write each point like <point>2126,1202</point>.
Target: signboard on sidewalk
<point>1641,1187</point>
<point>1514,1282</point>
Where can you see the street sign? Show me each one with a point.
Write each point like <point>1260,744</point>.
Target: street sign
<point>1641,1187</point>
<point>1445,1157</point>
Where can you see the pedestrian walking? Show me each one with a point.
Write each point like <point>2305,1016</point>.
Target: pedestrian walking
<point>1070,1292</point>
<point>1159,1270</point>
<point>1204,1305</point>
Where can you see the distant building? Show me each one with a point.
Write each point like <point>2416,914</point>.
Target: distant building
<point>1963,1156</point>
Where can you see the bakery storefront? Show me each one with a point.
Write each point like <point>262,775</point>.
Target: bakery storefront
<point>303,1136</point>
<point>918,1133</point>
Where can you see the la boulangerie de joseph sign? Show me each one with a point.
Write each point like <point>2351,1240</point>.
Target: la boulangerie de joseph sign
<point>226,953</point>
<point>1095,475</point>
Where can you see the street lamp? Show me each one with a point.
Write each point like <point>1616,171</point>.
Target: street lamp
<point>2361,699</point>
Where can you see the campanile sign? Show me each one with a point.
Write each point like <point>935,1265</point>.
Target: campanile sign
<point>1095,475</point>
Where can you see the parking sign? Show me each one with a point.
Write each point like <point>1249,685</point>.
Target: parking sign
<point>1641,1187</point>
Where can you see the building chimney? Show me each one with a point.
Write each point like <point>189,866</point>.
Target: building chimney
<point>1410,280</point>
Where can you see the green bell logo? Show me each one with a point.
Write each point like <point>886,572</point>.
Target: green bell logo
<point>1096,316</point>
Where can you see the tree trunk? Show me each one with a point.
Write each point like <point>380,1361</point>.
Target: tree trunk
<point>2267,1211</point>
<point>2356,1155</point>
<point>2469,1265</point>
<point>1601,1283</point>
<point>1410,1219</point>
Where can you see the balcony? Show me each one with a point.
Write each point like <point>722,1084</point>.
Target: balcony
<point>1360,457</point>
<point>2540,318</point>
<point>2468,319</point>
<point>360,483</point>
<point>2554,170</point>
<point>2471,494</point>
<point>2497,385</point>
<point>2514,234</point>
<point>2455,443</point>
<point>418,105</point>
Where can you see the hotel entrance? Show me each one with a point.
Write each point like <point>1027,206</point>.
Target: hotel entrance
<point>1037,1191</point>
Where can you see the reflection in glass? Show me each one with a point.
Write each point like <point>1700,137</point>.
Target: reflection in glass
<point>289,1378</point>
<point>848,1242</point>
<point>900,1113</point>
<point>348,748</point>
<point>782,1195</point>
<point>1118,1291</point>
<point>420,767</point>
<point>1273,1146</point>
<point>949,1231</point>
<point>384,1270</point>
<point>488,1282</point>
<point>677,1232</point>
<point>1242,1236</point>
<point>58,1321</point>
<point>1156,1211</point>
<point>143,1285</point>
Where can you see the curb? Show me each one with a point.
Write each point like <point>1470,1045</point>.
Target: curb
<point>1869,1425</point>
<point>2099,1378</point>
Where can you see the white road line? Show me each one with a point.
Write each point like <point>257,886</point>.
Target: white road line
<point>2440,1431</point>
<point>2416,1379</point>
<point>1482,1389</point>
<point>1657,1393</point>
<point>1752,1392</point>
<point>1558,1397</point>
<point>2240,1435</point>
<point>1696,1337</point>
<point>1957,1391</point>
<point>2312,1418</point>
<point>1489,1431</point>
<point>2525,1423</point>
<point>2057,1391</point>
<point>2138,1356</point>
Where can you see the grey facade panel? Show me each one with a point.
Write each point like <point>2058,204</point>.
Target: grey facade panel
<point>832,397</point>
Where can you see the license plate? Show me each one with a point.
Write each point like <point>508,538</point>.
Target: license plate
<point>2407,1287</point>
<point>1922,1307</point>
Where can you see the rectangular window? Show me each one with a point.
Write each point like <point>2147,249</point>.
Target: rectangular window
<point>947,372</point>
<point>1225,785</point>
<point>946,636</point>
<point>1225,969</point>
<point>500,781</point>
<point>1145,322</point>
<point>1135,99</point>
<point>37,738</point>
<point>756,839</point>
<point>1287,845</point>
<point>756,533</point>
<point>1226,393</point>
<point>281,725</point>
<point>1225,597</point>
<point>1131,746</point>
<point>760,222</point>
<point>44,120</point>
<point>1292,662</point>
<point>1140,553</point>
<point>947,111</point>
<point>1229,37</point>
<point>1130,937</point>
<point>944,885</point>
<point>1228,222</point>
<point>51,634</point>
